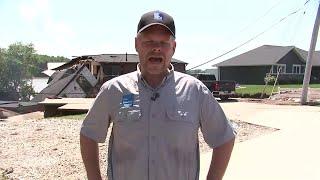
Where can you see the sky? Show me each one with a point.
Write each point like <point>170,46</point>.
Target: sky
<point>205,29</point>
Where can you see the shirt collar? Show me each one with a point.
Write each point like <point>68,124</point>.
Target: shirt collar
<point>164,81</point>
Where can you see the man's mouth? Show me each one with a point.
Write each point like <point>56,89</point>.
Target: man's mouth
<point>156,59</point>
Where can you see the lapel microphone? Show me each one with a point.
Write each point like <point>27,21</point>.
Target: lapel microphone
<point>154,96</point>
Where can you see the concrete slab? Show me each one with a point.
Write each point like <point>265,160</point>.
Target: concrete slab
<point>290,153</point>
<point>84,106</point>
<point>67,101</point>
<point>52,106</point>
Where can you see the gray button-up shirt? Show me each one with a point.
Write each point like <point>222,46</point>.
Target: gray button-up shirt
<point>155,131</point>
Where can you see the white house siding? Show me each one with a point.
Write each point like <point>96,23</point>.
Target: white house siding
<point>73,90</point>
<point>39,83</point>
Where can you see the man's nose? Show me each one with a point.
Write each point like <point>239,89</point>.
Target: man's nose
<point>156,47</point>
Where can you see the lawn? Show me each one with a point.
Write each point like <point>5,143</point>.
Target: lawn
<point>73,117</point>
<point>255,89</point>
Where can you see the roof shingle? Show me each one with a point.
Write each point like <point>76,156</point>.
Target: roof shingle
<point>267,55</point>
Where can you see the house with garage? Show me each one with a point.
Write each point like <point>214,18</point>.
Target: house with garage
<point>288,62</point>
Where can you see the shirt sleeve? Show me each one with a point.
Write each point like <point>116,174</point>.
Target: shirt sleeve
<point>96,123</point>
<point>215,127</point>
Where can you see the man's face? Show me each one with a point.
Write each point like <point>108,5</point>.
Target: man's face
<point>155,47</point>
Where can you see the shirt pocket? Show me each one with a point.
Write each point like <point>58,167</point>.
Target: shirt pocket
<point>178,115</point>
<point>128,115</point>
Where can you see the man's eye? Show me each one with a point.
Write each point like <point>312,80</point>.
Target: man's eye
<point>148,43</point>
<point>162,44</point>
<point>165,44</point>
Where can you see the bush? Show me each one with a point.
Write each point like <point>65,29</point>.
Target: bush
<point>26,91</point>
<point>269,79</point>
<point>290,78</point>
<point>255,95</point>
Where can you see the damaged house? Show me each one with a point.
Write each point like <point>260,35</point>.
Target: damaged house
<point>107,66</point>
<point>74,82</point>
<point>83,76</point>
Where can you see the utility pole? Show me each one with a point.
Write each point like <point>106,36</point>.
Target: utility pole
<point>308,68</point>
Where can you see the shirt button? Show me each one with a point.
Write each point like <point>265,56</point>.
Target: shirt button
<point>153,137</point>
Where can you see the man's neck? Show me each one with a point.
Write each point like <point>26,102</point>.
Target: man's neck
<point>154,80</point>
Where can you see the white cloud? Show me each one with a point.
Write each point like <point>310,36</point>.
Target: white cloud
<point>30,10</point>
<point>51,36</point>
<point>59,31</point>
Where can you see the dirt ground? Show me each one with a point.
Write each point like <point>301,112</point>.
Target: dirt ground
<point>35,148</point>
<point>286,96</point>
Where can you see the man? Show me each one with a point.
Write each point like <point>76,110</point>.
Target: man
<point>156,113</point>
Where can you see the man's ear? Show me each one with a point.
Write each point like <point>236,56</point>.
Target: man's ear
<point>136,44</point>
<point>174,46</point>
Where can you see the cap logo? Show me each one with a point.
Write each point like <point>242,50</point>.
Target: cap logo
<point>157,16</point>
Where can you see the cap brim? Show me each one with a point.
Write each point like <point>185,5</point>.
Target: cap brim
<point>152,24</point>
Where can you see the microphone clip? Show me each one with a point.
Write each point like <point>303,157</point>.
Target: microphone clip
<point>155,96</point>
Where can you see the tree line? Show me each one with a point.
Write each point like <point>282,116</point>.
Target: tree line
<point>18,64</point>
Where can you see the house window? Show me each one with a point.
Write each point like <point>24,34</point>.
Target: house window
<point>298,69</point>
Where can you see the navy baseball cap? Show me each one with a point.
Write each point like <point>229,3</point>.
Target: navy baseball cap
<point>156,18</point>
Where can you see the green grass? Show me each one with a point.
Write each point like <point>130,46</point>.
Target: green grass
<point>72,117</point>
<point>254,89</point>
<point>299,86</point>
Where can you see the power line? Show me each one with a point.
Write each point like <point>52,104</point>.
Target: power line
<point>251,39</point>
<point>297,25</point>
<point>307,1</point>
<point>256,20</point>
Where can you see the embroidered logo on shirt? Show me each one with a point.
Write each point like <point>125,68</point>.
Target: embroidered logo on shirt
<point>127,100</point>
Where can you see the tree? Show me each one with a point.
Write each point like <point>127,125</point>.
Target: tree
<point>3,70</point>
<point>42,61</point>
<point>17,66</point>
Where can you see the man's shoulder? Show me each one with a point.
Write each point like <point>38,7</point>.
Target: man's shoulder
<point>183,77</point>
<point>189,81</point>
